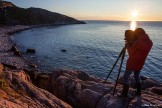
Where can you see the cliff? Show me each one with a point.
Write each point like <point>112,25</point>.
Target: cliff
<point>13,15</point>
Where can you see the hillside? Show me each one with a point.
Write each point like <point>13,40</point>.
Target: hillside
<point>10,14</point>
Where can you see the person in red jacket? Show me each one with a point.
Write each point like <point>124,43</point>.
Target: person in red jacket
<point>138,49</point>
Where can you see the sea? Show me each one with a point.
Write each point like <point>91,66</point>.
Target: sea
<point>92,47</point>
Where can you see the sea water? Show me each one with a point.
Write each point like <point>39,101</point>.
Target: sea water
<point>92,47</point>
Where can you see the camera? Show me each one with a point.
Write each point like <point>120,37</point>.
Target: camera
<point>129,35</point>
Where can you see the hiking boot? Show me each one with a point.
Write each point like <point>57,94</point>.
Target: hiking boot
<point>124,93</point>
<point>138,86</point>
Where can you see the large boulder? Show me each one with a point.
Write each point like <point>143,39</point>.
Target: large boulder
<point>19,92</point>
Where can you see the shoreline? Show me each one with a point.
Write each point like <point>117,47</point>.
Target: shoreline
<point>6,55</point>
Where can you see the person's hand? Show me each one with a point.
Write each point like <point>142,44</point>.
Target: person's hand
<point>128,44</point>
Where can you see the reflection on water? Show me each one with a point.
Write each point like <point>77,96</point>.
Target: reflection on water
<point>133,25</point>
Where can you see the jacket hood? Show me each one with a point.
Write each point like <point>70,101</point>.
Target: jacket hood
<point>144,37</point>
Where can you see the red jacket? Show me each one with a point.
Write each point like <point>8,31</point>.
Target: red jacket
<point>138,53</point>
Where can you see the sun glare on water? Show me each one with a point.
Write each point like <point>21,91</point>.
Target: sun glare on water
<point>133,23</point>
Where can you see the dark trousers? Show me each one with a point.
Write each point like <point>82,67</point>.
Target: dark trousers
<point>127,74</point>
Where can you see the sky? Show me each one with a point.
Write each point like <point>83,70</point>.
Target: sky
<point>147,10</point>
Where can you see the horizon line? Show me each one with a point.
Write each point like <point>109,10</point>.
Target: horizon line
<point>123,20</point>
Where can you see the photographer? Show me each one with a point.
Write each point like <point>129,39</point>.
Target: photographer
<point>138,45</point>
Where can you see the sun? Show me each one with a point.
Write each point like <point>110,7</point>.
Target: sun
<point>134,13</point>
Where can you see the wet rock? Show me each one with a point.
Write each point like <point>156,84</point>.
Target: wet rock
<point>63,50</point>
<point>30,51</point>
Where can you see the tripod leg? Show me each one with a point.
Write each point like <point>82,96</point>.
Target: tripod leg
<point>119,71</point>
<point>122,51</point>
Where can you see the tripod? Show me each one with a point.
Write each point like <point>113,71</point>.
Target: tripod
<point>121,55</point>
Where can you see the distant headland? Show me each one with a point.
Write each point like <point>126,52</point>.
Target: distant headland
<point>10,14</point>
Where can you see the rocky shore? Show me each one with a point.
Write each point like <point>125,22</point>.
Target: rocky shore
<point>85,91</point>
<point>24,88</point>
<point>6,55</point>
<point>17,91</point>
